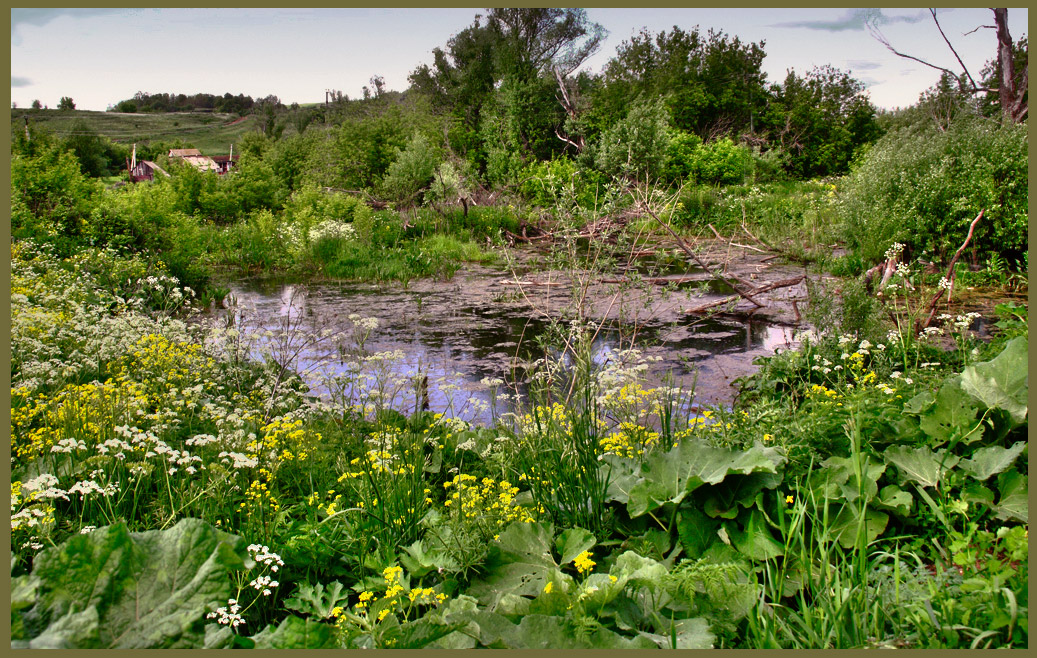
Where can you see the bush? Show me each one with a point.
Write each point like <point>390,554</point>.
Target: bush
<point>721,162</point>
<point>50,196</point>
<point>411,171</point>
<point>561,180</point>
<point>637,145</point>
<point>922,187</point>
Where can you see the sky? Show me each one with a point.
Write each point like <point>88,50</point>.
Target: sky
<point>101,56</point>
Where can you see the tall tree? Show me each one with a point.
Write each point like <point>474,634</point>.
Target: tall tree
<point>712,84</point>
<point>820,120</point>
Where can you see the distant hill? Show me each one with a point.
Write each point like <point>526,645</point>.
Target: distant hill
<point>211,132</point>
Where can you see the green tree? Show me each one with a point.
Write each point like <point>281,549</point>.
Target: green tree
<point>89,148</point>
<point>66,103</point>
<point>820,120</point>
<point>712,85</point>
<point>636,147</point>
<point>36,104</point>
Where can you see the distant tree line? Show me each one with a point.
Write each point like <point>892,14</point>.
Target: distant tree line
<point>163,102</point>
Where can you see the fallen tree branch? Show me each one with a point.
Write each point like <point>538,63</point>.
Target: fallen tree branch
<point>784,283</point>
<point>733,281</point>
<point>950,274</point>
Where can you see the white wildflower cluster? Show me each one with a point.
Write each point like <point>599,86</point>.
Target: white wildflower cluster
<point>228,615</point>
<point>903,271</point>
<point>87,529</point>
<point>262,555</point>
<point>68,445</point>
<point>963,322</point>
<point>263,584</point>
<point>332,228</point>
<point>894,250</point>
<point>931,332</point>
<point>87,487</point>
<point>238,460</point>
<point>945,283</point>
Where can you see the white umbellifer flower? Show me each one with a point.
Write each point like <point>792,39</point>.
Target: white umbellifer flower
<point>945,283</point>
<point>895,374</point>
<point>87,529</point>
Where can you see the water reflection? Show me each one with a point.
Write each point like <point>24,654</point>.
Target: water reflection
<point>458,345</point>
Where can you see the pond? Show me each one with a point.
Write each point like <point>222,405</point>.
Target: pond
<point>484,324</point>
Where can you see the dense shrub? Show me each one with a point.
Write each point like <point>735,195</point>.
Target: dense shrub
<point>923,187</point>
<point>560,181</point>
<point>50,196</point>
<point>636,146</point>
<point>412,170</point>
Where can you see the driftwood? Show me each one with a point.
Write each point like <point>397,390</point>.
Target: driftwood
<point>784,283</point>
<point>950,274</point>
<point>655,280</point>
<point>513,282</point>
<point>734,244</point>
<point>732,280</point>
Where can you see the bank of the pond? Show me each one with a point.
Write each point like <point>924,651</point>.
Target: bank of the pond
<point>488,323</point>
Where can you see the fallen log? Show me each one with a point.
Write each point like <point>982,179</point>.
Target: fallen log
<point>784,283</point>
<point>733,281</point>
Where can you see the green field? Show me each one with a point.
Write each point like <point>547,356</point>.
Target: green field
<point>212,133</point>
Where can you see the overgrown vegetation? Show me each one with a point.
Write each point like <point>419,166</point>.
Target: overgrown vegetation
<point>867,489</point>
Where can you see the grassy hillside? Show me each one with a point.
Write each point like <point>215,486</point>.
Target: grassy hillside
<point>213,133</point>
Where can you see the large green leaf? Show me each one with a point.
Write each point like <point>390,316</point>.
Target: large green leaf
<point>551,632</point>
<point>145,590</point>
<point>849,520</point>
<point>836,479</point>
<point>754,539</point>
<point>921,465</point>
<point>1003,382</point>
<point>953,416</point>
<point>697,531</point>
<point>1014,502</point>
<point>894,499</point>
<point>688,633</point>
<point>667,477</point>
<point>991,460</point>
<point>529,564</point>
<point>572,542</point>
<point>295,633</point>
<point>725,499</point>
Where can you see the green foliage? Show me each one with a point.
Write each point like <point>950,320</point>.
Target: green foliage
<point>721,162</point>
<point>636,146</point>
<point>50,197</point>
<point>411,171</point>
<point>712,84</point>
<point>115,589</point>
<point>560,182</point>
<point>923,188</point>
<point>66,103</point>
<point>820,121</point>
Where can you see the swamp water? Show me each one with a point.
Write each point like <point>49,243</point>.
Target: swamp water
<point>484,324</point>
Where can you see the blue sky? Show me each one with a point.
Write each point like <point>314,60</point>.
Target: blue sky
<point>101,56</point>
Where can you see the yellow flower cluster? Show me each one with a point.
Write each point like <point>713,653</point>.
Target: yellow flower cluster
<point>583,562</point>
<point>283,441</point>
<point>630,441</point>
<point>258,495</point>
<point>487,501</point>
<point>542,417</point>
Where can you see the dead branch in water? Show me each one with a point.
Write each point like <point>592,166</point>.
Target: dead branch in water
<point>950,274</point>
<point>732,281</point>
<point>784,283</point>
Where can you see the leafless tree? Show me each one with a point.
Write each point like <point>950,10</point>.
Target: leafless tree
<point>1011,88</point>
